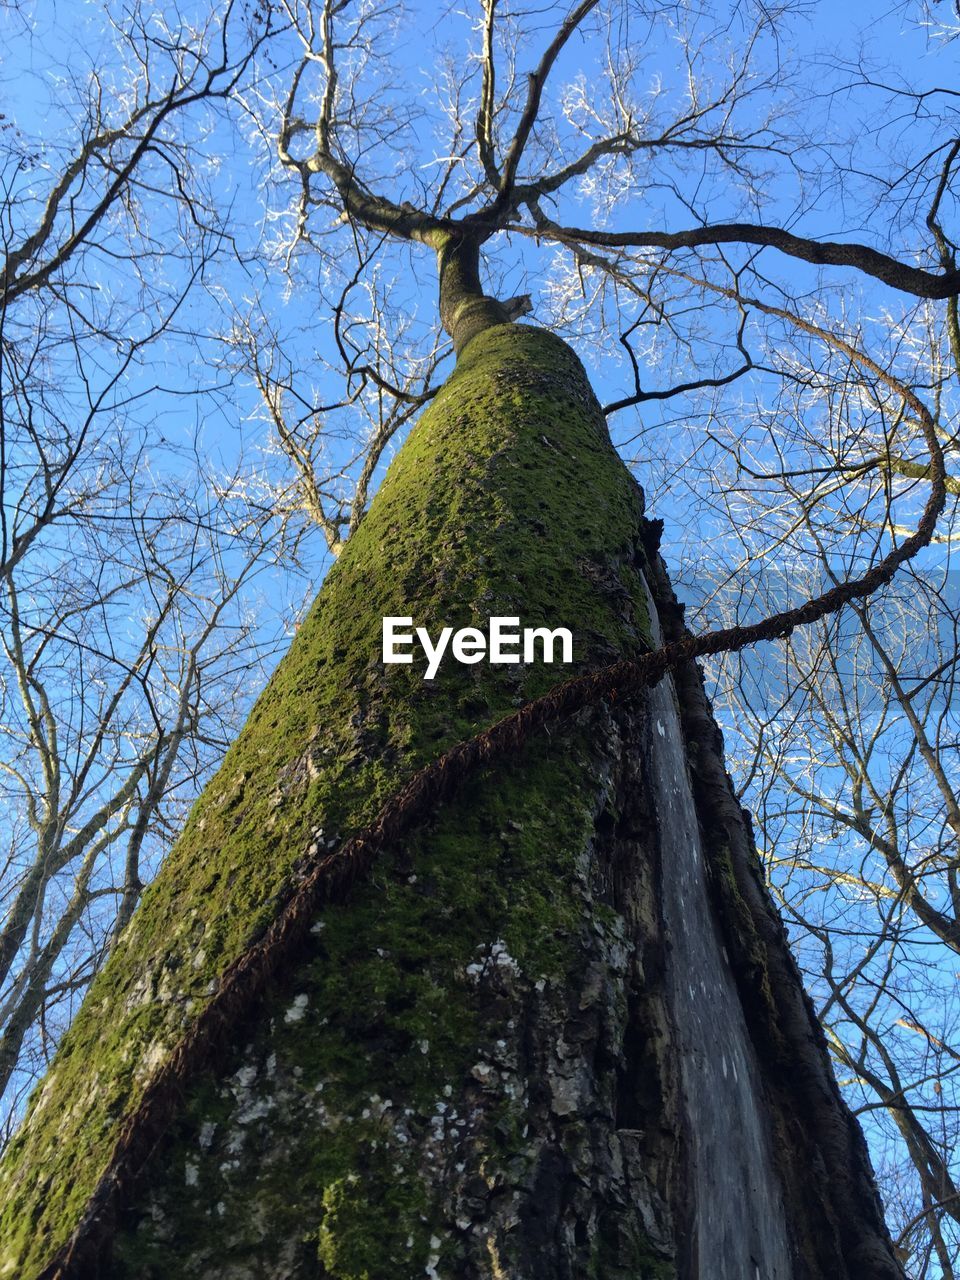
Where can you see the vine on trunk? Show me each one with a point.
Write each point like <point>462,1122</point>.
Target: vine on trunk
<point>328,879</point>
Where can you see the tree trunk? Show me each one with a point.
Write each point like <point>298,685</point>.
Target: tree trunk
<point>556,1033</point>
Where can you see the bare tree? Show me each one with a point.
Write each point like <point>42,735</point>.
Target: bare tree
<point>845,745</point>
<point>128,648</point>
<point>126,636</point>
<point>737,312</point>
<point>332,452</point>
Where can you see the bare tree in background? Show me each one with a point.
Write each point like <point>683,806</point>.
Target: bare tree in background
<point>331,452</point>
<point>127,644</point>
<point>846,753</point>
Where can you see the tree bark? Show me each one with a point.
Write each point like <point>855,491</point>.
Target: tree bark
<point>558,1032</point>
<point>465,310</point>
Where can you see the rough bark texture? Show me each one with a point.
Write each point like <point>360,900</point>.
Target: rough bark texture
<point>558,1034</point>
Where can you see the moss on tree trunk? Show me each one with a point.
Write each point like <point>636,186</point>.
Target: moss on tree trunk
<point>486,1064</point>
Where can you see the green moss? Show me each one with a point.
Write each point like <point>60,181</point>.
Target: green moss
<point>506,499</point>
<point>748,949</point>
<point>616,1256</point>
<point>370,1221</point>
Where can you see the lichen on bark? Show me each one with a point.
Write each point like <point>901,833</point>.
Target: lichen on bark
<point>437,1090</point>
